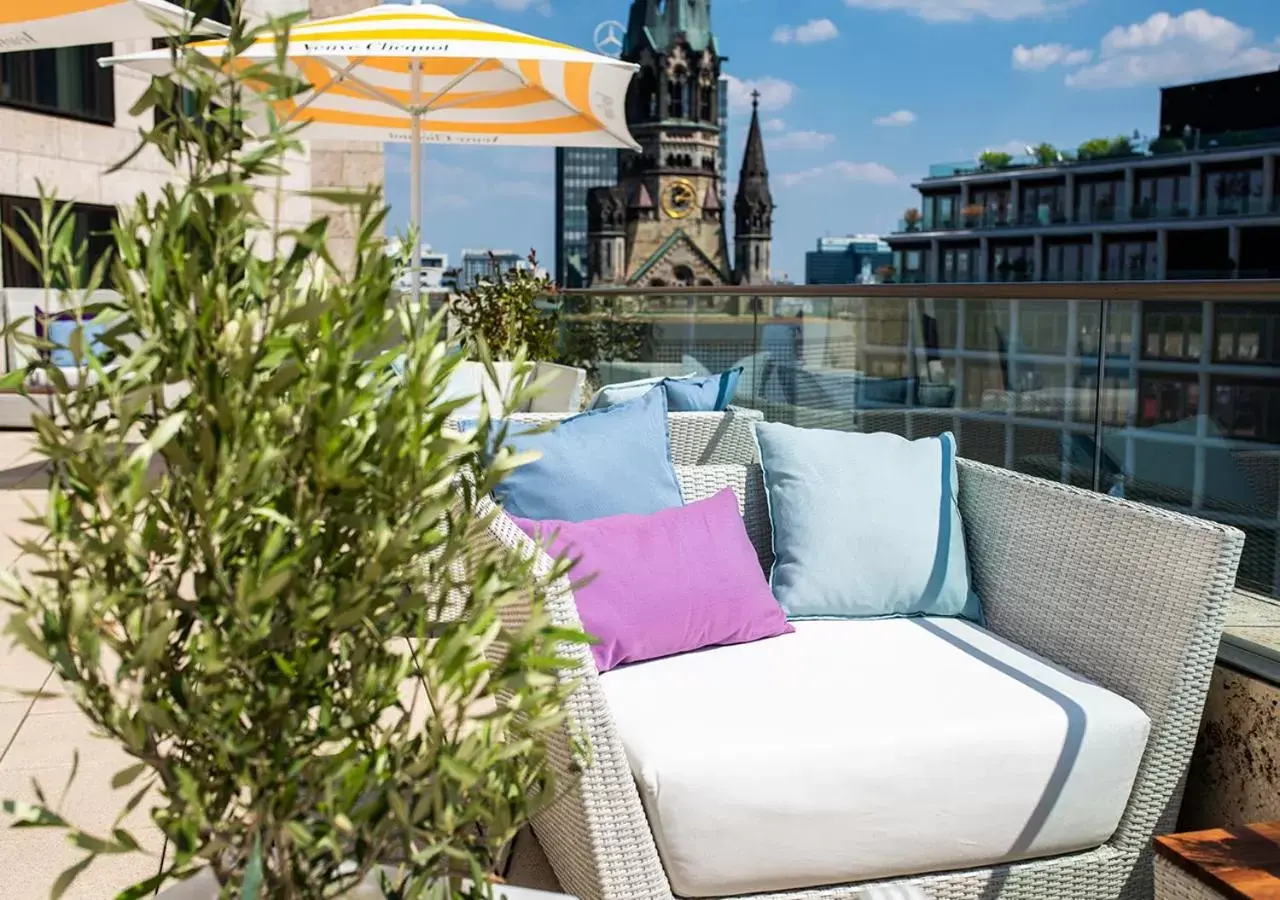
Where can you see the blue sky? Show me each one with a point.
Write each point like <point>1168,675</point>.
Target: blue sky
<point>859,97</point>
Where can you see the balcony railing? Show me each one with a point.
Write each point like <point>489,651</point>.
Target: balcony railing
<point>1100,213</point>
<point>1166,393</point>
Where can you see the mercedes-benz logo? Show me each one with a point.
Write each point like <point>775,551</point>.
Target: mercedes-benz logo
<point>608,37</point>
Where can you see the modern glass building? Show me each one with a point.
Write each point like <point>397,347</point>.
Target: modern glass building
<point>853,259</point>
<point>578,169</point>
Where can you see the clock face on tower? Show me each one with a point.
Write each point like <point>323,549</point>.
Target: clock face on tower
<point>679,200</point>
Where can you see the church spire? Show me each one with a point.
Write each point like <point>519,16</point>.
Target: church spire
<point>753,181</point>
<point>753,208</point>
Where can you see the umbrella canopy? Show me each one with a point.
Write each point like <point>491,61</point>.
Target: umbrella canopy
<point>374,71</point>
<point>422,74</point>
<point>45,24</point>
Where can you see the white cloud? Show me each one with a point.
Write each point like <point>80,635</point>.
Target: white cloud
<point>775,94</point>
<point>1042,56</point>
<point>815,31</point>
<point>802,140</point>
<point>1165,49</point>
<point>964,10</point>
<point>773,125</point>
<point>842,170</point>
<point>895,119</point>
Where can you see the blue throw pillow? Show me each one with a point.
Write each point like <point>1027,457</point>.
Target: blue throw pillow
<point>601,463</point>
<point>702,393</point>
<point>625,391</point>
<point>864,525</point>
<point>57,328</point>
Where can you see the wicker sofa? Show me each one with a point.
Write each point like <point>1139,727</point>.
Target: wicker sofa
<point>1106,597</point>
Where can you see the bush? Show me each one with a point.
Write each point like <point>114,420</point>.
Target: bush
<point>1168,145</point>
<point>239,599</point>
<point>509,313</point>
<point>995,160</point>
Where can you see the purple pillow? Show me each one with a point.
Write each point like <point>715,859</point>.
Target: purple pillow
<point>673,581</point>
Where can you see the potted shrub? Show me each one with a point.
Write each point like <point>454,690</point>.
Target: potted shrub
<point>1047,155</point>
<point>994,160</point>
<point>1094,148</point>
<point>236,582</point>
<point>911,219</point>
<point>502,316</point>
<point>973,214</point>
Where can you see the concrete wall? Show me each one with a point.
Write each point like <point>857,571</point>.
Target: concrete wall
<point>1235,773</point>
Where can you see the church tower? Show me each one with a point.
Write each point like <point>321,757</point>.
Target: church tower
<point>674,222</point>
<point>753,209</point>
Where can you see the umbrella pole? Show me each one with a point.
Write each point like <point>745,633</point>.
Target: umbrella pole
<point>415,164</point>
<point>415,204</point>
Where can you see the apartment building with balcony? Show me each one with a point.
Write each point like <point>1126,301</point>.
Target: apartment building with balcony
<point>1200,201</point>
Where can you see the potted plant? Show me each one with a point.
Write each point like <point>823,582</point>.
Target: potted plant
<point>513,311</point>
<point>994,160</point>
<point>236,582</point>
<point>973,214</point>
<point>911,219</point>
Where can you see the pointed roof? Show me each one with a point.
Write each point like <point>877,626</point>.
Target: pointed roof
<point>642,199</point>
<point>753,180</point>
<point>676,237</point>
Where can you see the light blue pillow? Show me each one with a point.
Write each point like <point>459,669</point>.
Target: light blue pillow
<point>625,391</point>
<point>601,463</point>
<point>702,393</point>
<point>59,332</point>
<point>864,525</point>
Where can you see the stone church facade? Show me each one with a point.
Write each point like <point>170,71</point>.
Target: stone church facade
<point>663,224</point>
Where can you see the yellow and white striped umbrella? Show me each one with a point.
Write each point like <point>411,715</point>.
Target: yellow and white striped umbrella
<point>44,24</point>
<point>470,82</point>
<point>422,74</point>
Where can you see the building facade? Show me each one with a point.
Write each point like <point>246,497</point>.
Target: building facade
<point>64,120</point>
<point>852,259</point>
<point>1201,203</point>
<point>578,170</point>
<point>663,223</point>
<point>482,265</point>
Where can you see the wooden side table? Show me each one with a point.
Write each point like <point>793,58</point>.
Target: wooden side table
<point>1233,863</point>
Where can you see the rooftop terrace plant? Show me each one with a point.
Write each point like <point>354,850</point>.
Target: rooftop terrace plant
<point>238,581</point>
<point>994,160</point>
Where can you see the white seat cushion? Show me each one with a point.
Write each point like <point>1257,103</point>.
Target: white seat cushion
<point>854,750</point>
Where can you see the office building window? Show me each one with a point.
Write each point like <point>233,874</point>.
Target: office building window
<point>1043,204</point>
<point>1096,201</point>
<point>941,212</point>
<point>995,205</point>
<point>1247,410</point>
<point>1233,192</point>
<point>1130,261</point>
<point>1172,331</point>
<point>1013,262</point>
<point>1166,399</point>
<point>1161,196</point>
<point>64,82</point>
<point>959,265</point>
<point>93,228</point>
<point>1068,262</point>
<point>1247,334</point>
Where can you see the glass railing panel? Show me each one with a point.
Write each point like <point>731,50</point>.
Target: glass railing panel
<point>1193,424</point>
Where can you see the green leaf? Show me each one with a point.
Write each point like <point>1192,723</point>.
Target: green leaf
<point>128,776</point>
<point>163,433</point>
<point>68,877</point>
<point>29,815</point>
